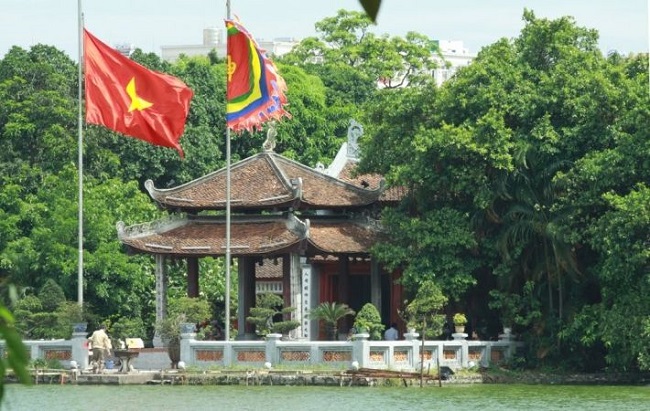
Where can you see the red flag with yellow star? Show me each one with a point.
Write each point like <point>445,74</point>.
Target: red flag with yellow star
<point>127,97</point>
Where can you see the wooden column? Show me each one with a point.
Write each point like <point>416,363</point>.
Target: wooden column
<point>192,277</point>
<point>286,281</point>
<point>375,285</point>
<point>344,291</point>
<point>246,276</point>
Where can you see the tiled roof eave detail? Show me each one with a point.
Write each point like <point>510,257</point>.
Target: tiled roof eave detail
<point>343,237</point>
<point>173,198</point>
<point>201,236</point>
<point>287,184</point>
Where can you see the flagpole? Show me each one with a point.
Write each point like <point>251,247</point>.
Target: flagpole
<point>80,268</point>
<point>227,296</point>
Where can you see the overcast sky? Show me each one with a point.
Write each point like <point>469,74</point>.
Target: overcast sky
<point>150,24</point>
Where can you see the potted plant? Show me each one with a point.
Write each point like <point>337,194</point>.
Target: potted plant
<point>460,320</point>
<point>181,311</point>
<point>330,313</point>
<point>267,307</point>
<point>369,319</point>
<point>423,312</point>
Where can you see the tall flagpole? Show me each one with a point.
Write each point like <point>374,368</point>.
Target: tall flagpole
<point>80,205</point>
<point>227,296</point>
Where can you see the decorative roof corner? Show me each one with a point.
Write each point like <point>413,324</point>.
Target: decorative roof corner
<point>296,187</point>
<point>298,226</point>
<point>271,134</point>
<point>150,187</point>
<point>120,228</point>
<point>355,131</point>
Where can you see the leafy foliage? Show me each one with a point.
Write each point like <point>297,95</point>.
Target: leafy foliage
<point>424,311</point>
<point>16,357</point>
<point>516,171</point>
<point>330,313</point>
<point>51,295</point>
<point>268,315</point>
<point>369,319</point>
<point>179,311</point>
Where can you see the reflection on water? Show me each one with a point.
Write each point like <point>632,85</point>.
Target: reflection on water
<point>449,397</point>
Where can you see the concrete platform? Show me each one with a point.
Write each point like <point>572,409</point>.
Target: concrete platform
<point>115,378</point>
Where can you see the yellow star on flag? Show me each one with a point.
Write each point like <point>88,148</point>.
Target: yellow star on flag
<point>137,103</point>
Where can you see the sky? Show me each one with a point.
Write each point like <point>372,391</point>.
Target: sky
<point>150,24</point>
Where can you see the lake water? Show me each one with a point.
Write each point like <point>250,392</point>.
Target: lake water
<point>262,398</point>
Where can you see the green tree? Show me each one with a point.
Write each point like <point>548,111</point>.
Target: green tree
<point>505,170</point>
<point>424,311</point>
<point>51,295</point>
<point>38,114</point>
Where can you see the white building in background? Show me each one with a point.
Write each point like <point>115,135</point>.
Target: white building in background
<point>213,38</point>
<point>455,56</point>
<point>125,48</point>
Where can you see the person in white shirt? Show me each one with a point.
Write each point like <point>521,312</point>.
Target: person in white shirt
<point>101,346</point>
<point>391,334</point>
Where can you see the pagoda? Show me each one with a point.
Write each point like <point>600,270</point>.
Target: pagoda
<point>303,233</point>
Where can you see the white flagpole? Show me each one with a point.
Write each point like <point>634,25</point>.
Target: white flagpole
<point>80,205</point>
<point>227,296</point>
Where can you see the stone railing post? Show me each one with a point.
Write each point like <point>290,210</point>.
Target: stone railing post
<point>188,334</point>
<point>412,337</point>
<point>272,354</point>
<point>79,347</point>
<point>361,349</point>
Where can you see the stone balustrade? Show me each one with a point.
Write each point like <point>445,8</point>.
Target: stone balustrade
<point>406,354</point>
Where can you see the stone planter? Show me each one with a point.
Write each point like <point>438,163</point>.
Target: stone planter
<point>188,328</point>
<point>79,327</point>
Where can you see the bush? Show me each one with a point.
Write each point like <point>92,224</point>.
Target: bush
<point>51,295</point>
<point>68,314</point>
<point>182,310</point>
<point>369,319</point>
<point>423,311</point>
<point>44,326</point>
<point>268,306</point>
<point>330,314</point>
<point>24,309</point>
<point>460,319</point>
<point>126,327</point>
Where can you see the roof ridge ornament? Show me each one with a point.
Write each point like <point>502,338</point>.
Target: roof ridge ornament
<point>271,133</point>
<point>355,130</point>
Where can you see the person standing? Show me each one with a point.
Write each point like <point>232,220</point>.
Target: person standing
<point>101,346</point>
<point>391,334</point>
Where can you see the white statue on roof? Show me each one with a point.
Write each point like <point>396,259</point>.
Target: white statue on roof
<point>355,130</point>
<point>271,133</point>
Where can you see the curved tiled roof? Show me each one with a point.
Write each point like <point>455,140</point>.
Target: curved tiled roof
<point>263,236</point>
<point>265,181</point>
<point>372,182</point>
<point>202,236</point>
<point>335,237</point>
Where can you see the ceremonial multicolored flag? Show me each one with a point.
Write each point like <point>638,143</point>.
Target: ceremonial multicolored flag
<point>255,89</point>
<point>127,97</point>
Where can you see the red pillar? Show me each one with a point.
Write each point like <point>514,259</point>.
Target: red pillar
<point>193,277</point>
